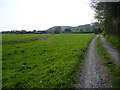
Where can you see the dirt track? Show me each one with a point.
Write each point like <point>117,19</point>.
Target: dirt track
<point>111,50</point>
<point>93,74</point>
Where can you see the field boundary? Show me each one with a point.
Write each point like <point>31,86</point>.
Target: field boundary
<point>32,40</point>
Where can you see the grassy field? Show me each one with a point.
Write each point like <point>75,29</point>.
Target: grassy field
<point>21,38</point>
<point>46,63</point>
<point>112,68</point>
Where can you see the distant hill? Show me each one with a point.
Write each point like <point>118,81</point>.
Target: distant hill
<point>80,28</point>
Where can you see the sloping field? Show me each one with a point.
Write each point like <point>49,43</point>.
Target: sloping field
<point>49,63</point>
<point>21,38</point>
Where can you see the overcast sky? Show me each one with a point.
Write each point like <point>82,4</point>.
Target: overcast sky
<point>43,14</point>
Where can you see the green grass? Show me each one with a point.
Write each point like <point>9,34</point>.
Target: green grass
<point>114,40</point>
<point>50,63</point>
<point>20,38</point>
<point>112,68</point>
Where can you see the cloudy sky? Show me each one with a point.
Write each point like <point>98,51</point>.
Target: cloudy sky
<point>43,14</point>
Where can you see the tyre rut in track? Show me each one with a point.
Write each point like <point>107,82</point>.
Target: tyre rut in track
<point>113,52</point>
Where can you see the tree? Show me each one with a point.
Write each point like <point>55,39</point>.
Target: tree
<point>67,30</point>
<point>81,30</point>
<point>34,31</point>
<point>58,30</point>
<point>108,14</point>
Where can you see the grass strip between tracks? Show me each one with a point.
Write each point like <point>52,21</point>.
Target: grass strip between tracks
<point>112,69</point>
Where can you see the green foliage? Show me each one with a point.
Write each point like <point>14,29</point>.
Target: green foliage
<point>112,68</point>
<point>97,30</point>
<point>50,63</point>
<point>108,14</point>
<point>103,33</point>
<point>67,30</point>
<point>81,30</point>
<point>58,30</point>
<point>55,30</point>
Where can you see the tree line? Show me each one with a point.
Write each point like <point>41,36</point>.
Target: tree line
<point>108,15</point>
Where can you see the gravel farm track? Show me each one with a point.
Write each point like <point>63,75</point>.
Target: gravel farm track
<point>93,74</point>
<point>113,52</point>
